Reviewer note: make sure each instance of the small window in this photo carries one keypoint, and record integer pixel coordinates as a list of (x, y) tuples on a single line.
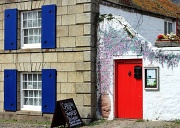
[(31, 91), (168, 28), (31, 29), (151, 78)]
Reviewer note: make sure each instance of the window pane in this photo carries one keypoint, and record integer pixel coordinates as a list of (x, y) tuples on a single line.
[(39, 77), (39, 85), (25, 32), (25, 40), (25, 93), (40, 93), (24, 24), (30, 15), (36, 31), (24, 85), (30, 93), (29, 23), (24, 16), (40, 101), (30, 77), (39, 23), (169, 27), (36, 94), (24, 77), (26, 102), (30, 32), (35, 15), (34, 23), (30, 85), (36, 39), (165, 28), (34, 85), (34, 77), (36, 102), (30, 101), (30, 40), (39, 14)]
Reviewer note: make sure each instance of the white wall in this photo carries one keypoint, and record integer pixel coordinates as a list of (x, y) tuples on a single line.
[(147, 26), (165, 103)]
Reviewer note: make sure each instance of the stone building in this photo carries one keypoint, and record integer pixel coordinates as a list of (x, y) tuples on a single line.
[(47, 52)]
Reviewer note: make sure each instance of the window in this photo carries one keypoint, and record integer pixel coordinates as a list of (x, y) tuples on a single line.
[(168, 27), (37, 28), (31, 91), (31, 29), (151, 78)]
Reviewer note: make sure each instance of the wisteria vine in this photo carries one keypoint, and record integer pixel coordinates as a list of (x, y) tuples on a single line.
[(116, 37)]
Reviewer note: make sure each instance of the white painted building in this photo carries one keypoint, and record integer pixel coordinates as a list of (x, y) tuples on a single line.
[(118, 45)]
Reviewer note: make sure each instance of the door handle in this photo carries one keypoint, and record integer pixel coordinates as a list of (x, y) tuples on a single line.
[(129, 73)]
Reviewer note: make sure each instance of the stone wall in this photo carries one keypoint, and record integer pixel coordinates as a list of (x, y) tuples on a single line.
[(73, 57)]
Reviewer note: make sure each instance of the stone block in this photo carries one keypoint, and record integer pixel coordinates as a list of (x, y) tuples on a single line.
[(2, 96), (67, 42), (80, 66), (87, 76), (62, 31), (75, 77), (61, 96), (68, 19), (24, 57), (64, 66), (83, 41), (6, 58), (68, 2), (36, 66), (1, 107), (76, 30), (87, 99), (78, 99), (70, 57), (2, 77), (83, 1), (62, 77), (62, 10), (58, 87), (87, 7), (8, 66), (27, 6), (89, 29), (83, 87), (46, 65), (50, 57), (59, 22), (74, 9), (1, 35), (83, 18), (36, 57), (1, 86), (68, 88), (87, 55)]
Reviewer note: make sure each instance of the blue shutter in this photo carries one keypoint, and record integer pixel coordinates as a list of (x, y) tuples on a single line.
[(48, 26), (10, 28), (48, 90), (10, 90)]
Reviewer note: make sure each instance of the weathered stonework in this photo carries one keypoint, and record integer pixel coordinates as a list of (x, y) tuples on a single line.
[(72, 57)]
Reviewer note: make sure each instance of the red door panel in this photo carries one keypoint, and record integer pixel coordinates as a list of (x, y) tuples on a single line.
[(128, 90)]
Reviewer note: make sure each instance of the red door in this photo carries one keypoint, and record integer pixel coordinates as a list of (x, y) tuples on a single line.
[(128, 101)]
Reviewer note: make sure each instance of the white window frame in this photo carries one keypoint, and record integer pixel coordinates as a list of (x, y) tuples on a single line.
[(167, 27), (29, 107), (33, 45)]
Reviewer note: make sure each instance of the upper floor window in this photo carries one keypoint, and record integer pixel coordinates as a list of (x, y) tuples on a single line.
[(31, 29), (168, 27)]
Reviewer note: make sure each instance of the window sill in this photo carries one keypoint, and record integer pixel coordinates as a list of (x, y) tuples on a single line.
[(167, 43), (32, 113)]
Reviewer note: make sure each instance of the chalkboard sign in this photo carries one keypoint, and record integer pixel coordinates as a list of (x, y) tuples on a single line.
[(66, 112)]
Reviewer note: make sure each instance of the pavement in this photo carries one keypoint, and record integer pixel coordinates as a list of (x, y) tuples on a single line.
[(116, 123)]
